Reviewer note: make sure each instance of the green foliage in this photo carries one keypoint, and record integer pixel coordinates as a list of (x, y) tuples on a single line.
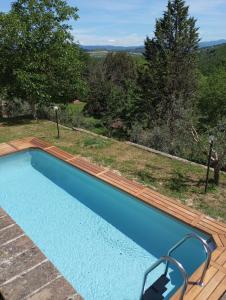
[(211, 59), (168, 81), (212, 100), (40, 63), (113, 91), (219, 133), (96, 143)]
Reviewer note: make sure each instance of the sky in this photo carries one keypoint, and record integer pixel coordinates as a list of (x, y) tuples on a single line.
[(128, 22)]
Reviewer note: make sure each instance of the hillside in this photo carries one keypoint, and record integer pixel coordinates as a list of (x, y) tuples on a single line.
[(139, 49), (212, 58), (109, 48)]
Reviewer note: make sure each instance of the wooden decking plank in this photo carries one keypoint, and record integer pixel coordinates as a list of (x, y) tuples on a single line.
[(211, 286), (223, 239), (123, 187), (219, 291), (124, 180), (86, 166), (168, 202), (21, 144), (40, 143), (196, 290), (222, 259), (172, 208), (195, 277), (59, 153), (205, 229), (210, 227), (215, 221), (217, 253), (115, 180), (189, 210), (6, 149), (167, 205), (218, 240), (168, 210), (219, 267), (214, 224), (118, 181)]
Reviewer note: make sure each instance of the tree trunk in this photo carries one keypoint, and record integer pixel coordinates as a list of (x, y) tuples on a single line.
[(33, 110), (217, 169)]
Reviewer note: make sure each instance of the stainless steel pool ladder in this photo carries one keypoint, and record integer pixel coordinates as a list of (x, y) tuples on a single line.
[(173, 261), (168, 259)]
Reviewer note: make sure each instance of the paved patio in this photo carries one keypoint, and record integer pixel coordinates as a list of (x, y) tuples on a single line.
[(25, 272)]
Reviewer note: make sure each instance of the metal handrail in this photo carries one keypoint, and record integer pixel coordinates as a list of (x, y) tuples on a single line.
[(172, 261), (207, 251)]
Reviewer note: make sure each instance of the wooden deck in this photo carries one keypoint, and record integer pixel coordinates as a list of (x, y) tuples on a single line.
[(215, 281)]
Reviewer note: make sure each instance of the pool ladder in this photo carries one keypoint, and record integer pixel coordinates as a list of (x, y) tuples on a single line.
[(168, 259)]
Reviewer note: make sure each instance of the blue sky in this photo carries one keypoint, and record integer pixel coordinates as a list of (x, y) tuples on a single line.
[(128, 22)]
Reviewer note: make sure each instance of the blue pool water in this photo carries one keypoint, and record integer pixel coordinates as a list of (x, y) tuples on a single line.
[(101, 239)]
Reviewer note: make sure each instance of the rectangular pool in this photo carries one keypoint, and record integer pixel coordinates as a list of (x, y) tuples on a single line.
[(101, 239)]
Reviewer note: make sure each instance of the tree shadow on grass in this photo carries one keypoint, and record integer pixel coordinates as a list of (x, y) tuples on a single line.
[(212, 187), (16, 121), (178, 183), (153, 167), (145, 177)]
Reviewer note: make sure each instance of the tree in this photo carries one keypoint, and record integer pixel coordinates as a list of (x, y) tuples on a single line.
[(169, 79), (97, 96), (40, 62), (218, 158), (212, 99), (113, 91)]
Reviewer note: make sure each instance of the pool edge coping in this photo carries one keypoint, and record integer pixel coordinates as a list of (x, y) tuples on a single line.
[(215, 282)]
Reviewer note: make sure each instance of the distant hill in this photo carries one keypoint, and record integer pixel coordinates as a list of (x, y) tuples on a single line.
[(211, 58), (109, 48), (140, 49), (211, 43)]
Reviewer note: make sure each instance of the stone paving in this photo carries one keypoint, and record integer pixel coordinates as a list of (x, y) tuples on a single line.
[(25, 272)]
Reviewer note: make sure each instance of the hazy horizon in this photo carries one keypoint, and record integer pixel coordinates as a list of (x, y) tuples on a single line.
[(128, 22)]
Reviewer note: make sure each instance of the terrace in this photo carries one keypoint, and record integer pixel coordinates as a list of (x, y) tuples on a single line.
[(27, 274)]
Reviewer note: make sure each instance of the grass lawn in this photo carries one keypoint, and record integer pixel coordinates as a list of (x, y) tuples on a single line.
[(79, 119), (181, 181)]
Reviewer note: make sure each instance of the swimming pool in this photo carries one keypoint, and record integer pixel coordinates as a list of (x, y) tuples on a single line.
[(101, 239)]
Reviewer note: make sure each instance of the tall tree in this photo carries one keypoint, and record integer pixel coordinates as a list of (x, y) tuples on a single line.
[(169, 79), (113, 91), (39, 60)]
